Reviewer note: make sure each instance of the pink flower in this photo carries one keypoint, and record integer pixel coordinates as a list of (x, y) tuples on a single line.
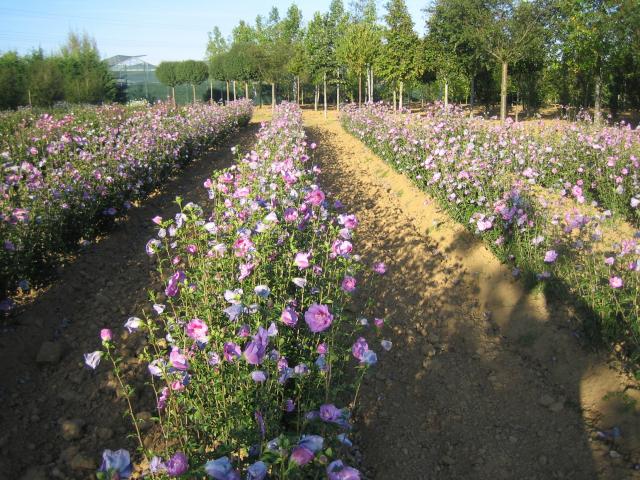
[(616, 282), (106, 335), (290, 215), (242, 246), (359, 348), (157, 219), (341, 248), (380, 268), (192, 249), (302, 260), (318, 317), (550, 256), (348, 284), (378, 322), (315, 197), (178, 360), (198, 330)]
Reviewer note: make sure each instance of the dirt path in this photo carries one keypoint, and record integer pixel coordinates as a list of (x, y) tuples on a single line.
[(56, 416), (485, 380)]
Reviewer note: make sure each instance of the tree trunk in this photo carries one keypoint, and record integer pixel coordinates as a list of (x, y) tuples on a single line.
[(400, 98), (260, 92), (211, 92), (324, 83), (246, 89), (173, 96), (301, 96), (372, 87), (273, 96), (193, 88), (29, 93), (338, 94), (597, 114), (359, 89), (298, 90), (227, 91), (472, 100), (234, 90), (503, 92), (446, 94), (316, 98), (394, 100)]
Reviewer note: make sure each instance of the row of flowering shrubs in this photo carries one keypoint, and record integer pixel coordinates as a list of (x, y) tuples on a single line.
[(250, 346), (532, 192), (65, 177)]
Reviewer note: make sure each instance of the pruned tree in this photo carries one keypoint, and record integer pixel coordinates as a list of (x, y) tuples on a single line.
[(167, 73)]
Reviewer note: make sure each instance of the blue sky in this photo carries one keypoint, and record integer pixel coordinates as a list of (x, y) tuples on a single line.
[(160, 29)]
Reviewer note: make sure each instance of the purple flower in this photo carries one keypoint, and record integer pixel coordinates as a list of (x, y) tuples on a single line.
[(255, 351), (329, 412), (289, 317), (289, 405), (318, 318), (616, 282), (348, 221), (386, 344), (301, 455), (550, 256), (262, 291), (341, 248), (177, 465), (116, 464), (369, 358), (313, 443), (348, 284), (231, 351), (258, 376), (173, 285), (132, 324), (380, 268), (359, 347), (221, 469), (156, 367), (339, 471), (257, 471), (92, 360)]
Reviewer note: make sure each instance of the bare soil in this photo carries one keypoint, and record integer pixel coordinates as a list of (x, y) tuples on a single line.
[(485, 379), (57, 416)]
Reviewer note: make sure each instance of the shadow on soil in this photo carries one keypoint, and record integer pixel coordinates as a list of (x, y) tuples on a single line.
[(485, 379), (105, 284)]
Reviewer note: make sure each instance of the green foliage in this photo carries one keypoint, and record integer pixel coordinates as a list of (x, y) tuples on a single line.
[(192, 72), (168, 74), (400, 61), (12, 80)]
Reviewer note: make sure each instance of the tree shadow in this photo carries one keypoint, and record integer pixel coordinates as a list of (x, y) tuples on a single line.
[(486, 378)]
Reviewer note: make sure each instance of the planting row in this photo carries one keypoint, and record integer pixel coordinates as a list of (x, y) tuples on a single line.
[(65, 177), (501, 181), (253, 356)]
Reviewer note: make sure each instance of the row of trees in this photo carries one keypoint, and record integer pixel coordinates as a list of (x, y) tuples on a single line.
[(187, 72), (574, 52), (76, 75)]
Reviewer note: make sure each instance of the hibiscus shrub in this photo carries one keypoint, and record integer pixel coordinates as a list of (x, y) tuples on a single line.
[(64, 178), (524, 189), (250, 344)]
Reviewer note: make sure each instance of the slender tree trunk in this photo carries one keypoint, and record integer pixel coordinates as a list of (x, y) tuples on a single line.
[(372, 88), (246, 89), (394, 100), (193, 87), (597, 114), (173, 96), (301, 96), (227, 91), (234, 90), (298, 90), (446, 94), (359, 89), (29, 93), (211, 92), (400, 98), (472, 100), (273, 96), (316, 98), (324, 83), (338, 94), (503, 92)]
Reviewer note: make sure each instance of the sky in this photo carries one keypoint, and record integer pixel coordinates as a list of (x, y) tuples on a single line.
[(159, 29)]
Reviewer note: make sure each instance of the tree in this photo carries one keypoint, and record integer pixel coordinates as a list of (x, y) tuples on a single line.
[(167, 73), (12, 80), (400, 61), (505, 29), (358, 49), (193, 72), (319, 52), (45, 82)]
